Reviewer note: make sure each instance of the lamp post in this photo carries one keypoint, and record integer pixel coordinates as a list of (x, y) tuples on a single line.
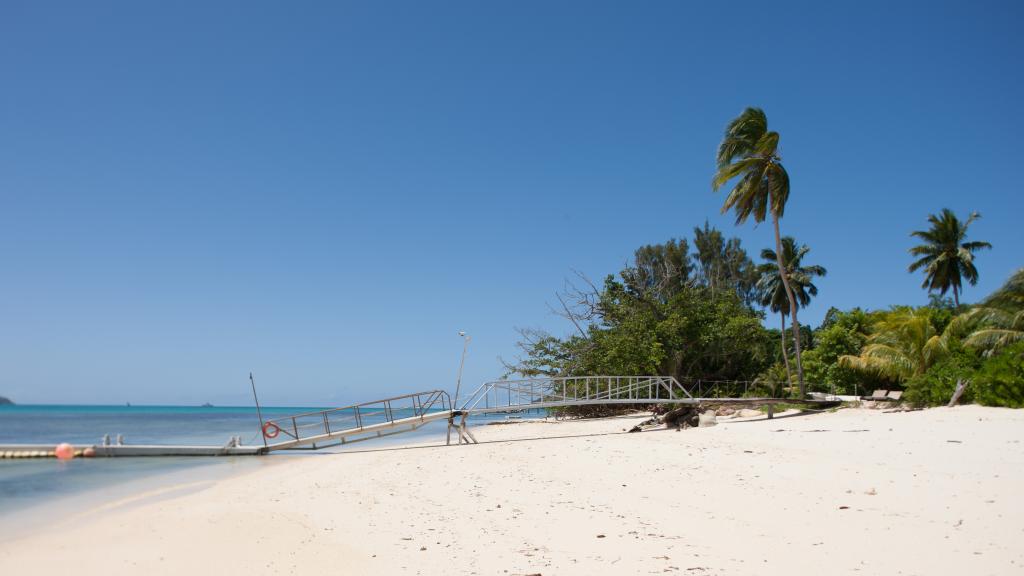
[(458, 384)]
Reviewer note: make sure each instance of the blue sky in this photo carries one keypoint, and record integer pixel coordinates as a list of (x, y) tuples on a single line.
[(325, 193)]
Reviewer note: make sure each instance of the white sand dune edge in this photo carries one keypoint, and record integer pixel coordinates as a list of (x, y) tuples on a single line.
[(857, 491)]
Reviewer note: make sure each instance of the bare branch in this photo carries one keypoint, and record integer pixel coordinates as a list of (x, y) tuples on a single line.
[(568, 314)]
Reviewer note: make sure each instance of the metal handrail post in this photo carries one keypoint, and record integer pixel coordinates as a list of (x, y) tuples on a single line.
[(462, 363)]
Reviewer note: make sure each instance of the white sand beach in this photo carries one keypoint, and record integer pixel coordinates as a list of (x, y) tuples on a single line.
[(855, 491)]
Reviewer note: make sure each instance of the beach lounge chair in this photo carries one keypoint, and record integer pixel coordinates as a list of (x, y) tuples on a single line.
[(884, 396), (876, 395)]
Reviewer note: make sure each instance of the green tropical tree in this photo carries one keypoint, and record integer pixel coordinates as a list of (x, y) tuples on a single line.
[(749, 154), (721, 263), (903, 343), (946, 257), (997, 321), (772, 290), (660, 270)]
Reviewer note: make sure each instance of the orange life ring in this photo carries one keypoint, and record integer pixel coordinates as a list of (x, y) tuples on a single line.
[(271, 430)]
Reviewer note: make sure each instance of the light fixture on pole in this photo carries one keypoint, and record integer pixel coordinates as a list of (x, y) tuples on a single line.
[(458, 384)]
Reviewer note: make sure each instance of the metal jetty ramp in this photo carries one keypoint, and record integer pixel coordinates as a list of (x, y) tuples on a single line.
[(357, 422), (403, 413), (398, 414)]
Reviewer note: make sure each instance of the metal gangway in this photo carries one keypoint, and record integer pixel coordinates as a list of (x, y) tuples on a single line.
[(404, 413), (379, 418), (357, 422), (398, 414), (536, 393)]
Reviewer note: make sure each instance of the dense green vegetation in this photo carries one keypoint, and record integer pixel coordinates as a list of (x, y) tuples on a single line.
[(998, 382), (699, 314), (689, 316), (670, 312)]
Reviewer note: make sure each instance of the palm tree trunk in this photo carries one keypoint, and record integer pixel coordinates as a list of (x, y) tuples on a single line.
[(956, 298), (792, 301), (785, 357)]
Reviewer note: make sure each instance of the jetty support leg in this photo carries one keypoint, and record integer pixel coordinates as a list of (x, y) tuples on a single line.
[(464, 433)]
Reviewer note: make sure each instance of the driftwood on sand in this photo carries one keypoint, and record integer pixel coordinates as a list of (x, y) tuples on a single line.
[(682, 417), (961, 385)]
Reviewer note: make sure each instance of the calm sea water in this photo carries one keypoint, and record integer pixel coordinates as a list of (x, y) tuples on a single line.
[(25, 483)]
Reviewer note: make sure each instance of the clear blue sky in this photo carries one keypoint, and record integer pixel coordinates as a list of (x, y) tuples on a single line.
[(326, 192)]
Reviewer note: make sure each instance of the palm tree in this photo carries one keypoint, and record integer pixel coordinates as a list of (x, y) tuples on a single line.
[(945, 257), (750, 152), (903, 343), (772, 289), (997, 321)]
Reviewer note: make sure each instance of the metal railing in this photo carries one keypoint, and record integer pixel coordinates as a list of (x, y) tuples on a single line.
[(723, 389), (699, 388), (338, 421), (535, 393)]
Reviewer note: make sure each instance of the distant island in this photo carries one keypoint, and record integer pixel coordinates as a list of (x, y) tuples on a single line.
[(6, 401)]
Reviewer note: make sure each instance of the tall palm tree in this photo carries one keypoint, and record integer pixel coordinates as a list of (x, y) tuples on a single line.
[(749, 152), (903, 343), (945, 256), (773, 291)]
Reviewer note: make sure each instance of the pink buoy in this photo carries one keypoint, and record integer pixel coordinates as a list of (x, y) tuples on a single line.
[(65, 451)]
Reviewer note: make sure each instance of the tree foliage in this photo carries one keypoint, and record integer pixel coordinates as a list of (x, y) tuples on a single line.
[(821, 363), (935, 386), (997, 321), (723, 264), (903, 343), (1000, 380), (801, 278), (946, 257), (660, 270), (654, 319)]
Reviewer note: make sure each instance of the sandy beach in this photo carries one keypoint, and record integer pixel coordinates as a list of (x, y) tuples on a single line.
[(855, 491)]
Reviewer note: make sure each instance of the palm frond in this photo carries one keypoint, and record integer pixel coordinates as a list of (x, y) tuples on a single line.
[(742, 135), (729, 171), (1010, 296), (972, 246), (767, 145), (880, 360), (991, 340)]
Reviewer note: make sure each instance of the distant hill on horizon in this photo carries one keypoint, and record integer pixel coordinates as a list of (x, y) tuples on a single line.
[(6, 401)]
